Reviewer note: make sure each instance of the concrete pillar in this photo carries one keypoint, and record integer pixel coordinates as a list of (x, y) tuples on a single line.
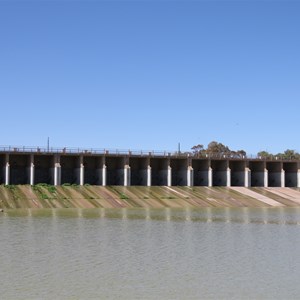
[(57, 174), (210, 177), (81, 174), (7, 173), (190, 176), (169, 179), (104, 175), (228, 179), (298, 178), (247, 177), (265, 177), (127, 176), (282, 178), (31, 173), (31, 170), (148, 176)]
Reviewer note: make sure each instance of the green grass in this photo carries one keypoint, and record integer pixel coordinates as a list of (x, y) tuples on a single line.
[(124, 196), (10, 186)]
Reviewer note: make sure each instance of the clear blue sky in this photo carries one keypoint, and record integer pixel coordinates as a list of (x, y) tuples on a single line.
[(150, 74)]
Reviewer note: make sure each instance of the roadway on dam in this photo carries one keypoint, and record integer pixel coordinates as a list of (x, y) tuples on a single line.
[(47, 196)]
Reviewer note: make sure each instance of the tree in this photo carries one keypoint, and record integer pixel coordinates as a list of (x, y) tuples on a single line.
[(289, 154), (197, 149), (215, 148), (238, 154), (264, 154)]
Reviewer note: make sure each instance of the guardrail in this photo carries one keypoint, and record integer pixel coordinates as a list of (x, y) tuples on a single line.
[(154, 153), (65, 150)]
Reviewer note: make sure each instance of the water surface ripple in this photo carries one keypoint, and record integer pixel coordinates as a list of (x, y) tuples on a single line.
[(150, 254)]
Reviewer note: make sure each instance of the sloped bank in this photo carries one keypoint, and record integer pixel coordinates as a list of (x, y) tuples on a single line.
[(46, 196)]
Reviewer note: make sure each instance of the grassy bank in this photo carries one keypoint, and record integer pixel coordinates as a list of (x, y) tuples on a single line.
[(73, 196)]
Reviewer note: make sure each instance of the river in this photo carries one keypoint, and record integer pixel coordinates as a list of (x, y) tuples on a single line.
[(150, 254)]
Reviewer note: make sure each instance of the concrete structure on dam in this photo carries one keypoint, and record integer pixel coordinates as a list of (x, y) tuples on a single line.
[(65, 166)]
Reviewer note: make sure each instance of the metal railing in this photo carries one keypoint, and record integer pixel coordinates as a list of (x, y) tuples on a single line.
[(139, 153), (69, 150)]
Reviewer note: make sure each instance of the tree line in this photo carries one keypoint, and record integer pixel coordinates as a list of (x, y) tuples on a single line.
[(287, 154), (218, 149), (215, 148)]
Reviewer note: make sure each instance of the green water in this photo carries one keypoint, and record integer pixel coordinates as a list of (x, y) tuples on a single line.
[(150, 254)]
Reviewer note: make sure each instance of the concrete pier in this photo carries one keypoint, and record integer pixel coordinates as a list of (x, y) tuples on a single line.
[(228, 177), (169, 179), (148, 176), (247, 177), (266, 181), (32, 170), (104, 175), (57, 174), (81, 175), (190, 176), (7, 174), (127, 175), (210, 177), (19, 167)]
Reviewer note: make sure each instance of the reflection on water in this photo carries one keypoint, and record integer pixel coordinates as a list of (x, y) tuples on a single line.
[(210, 253), (278, 215)]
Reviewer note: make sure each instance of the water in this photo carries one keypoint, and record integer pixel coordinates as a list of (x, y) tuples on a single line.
[(150, 254)]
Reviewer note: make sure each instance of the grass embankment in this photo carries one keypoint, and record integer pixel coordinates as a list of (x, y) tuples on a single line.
[(74, 196)]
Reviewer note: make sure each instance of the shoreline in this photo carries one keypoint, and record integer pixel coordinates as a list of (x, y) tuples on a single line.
[(73, 196)]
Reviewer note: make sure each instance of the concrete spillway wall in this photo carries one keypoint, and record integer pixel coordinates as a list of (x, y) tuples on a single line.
[(291, 174), (179, 171), (274, 173), (202, 172), (115, 170), (159, 171), (44, 169), (144, 170), (258, 172), (139, 171), (238, 175), (93, 167), (219, 168)]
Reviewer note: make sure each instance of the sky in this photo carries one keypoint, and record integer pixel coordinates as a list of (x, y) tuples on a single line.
[(150, 74)]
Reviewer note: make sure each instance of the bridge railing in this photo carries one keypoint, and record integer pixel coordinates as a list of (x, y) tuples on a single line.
[(152, 153), (66, 150)]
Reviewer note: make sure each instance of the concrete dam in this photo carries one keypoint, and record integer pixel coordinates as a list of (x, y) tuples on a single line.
[(23, 166)]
